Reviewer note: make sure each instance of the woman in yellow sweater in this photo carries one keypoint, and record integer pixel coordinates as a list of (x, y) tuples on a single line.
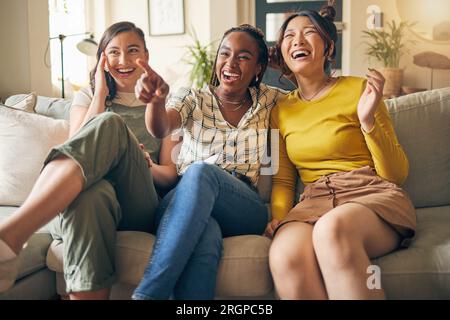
[(335, 132)]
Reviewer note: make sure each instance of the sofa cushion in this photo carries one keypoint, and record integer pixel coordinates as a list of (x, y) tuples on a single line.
[(33, 257), (26, 140), (51, 107), (41, 285), (423, 270), (26, 102), (422, 123), (243, 270)]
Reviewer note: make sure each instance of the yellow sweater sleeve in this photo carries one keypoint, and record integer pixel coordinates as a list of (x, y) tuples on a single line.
[(285, 179), (388, 156)]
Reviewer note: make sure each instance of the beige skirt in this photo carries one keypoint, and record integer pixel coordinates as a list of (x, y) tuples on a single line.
[(362, 186)]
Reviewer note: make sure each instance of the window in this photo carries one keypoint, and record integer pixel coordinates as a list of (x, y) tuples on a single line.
[(67, 17)]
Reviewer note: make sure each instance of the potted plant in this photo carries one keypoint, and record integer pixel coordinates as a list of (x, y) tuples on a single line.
[(201, 58), (387, 47)]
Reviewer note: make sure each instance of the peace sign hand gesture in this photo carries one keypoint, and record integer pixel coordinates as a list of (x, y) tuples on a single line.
[(150, 88)]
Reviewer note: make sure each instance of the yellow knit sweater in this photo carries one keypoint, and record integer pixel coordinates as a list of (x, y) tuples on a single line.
[(324, 136)]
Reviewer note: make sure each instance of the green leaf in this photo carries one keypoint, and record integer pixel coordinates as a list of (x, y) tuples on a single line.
[(201, 58), (388, 46)]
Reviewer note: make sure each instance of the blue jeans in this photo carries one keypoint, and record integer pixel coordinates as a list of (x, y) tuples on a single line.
[(207, 205)]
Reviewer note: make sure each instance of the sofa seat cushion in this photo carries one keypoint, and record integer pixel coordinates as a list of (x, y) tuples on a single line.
[(423, 270), (33, 256), (243, 270)]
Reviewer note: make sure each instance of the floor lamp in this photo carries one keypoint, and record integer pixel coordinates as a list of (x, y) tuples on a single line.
[(87, 46)]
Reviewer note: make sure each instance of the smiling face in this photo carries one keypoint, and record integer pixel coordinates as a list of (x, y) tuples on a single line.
[(237, 62), (122, 52), (303, 48)]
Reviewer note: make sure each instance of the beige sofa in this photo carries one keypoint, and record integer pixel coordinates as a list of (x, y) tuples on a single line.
[(422, 122)]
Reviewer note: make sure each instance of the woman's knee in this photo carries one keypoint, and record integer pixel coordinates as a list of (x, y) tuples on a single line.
[(109, 120), (200, 178), (200, 170), (286, 256), (335, 240)]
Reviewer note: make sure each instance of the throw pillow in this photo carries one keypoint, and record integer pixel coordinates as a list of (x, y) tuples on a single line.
[(26, 139), (26, 103)]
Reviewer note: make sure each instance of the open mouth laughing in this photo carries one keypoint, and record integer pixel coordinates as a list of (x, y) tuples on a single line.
[(230, 77), (300, 54), (125, 72)]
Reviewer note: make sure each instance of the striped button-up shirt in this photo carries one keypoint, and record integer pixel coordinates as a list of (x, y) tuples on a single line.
[(208, 137)]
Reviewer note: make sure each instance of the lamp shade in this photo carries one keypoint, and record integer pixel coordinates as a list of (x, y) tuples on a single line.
[(87, 46), (432, 60)]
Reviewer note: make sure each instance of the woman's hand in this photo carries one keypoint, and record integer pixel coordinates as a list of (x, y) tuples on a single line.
[(271, 228), (150, 88), (147, 156), (101, 87), (370, 99)]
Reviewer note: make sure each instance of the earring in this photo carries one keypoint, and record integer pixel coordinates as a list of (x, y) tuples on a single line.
[(256, 79)]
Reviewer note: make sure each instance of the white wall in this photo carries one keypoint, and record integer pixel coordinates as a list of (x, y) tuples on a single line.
[(38, 34), (24, 36), (223, 15), (14, 64), (246, 12)]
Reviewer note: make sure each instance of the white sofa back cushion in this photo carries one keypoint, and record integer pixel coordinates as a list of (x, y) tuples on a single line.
[(26, 139), (422, 123), (56, 108)]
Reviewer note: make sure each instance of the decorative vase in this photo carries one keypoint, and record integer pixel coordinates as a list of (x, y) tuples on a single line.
[(393, 83)]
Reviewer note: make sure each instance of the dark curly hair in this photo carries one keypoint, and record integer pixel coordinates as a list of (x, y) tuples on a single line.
[(263, 57), (323, 20)]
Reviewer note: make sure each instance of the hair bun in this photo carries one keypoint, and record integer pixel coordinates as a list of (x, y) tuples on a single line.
[(328, 12)]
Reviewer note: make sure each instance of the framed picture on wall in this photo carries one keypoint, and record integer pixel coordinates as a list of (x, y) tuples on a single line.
[(166, 17)]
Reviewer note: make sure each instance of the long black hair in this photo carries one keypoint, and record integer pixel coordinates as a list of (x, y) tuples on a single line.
[(108, 35), (323, 20), (263, 57)]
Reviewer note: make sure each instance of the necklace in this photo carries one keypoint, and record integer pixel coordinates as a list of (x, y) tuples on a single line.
[(221, 101), (316, 93)]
